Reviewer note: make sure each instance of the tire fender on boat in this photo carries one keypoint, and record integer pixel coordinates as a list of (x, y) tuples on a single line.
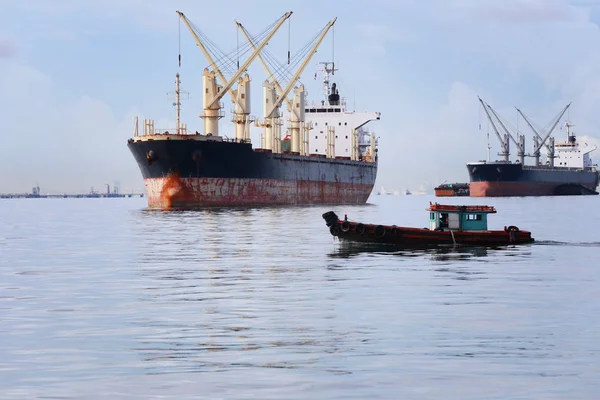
[(345, 226), (361, 229), (380, 231), (512, 228)]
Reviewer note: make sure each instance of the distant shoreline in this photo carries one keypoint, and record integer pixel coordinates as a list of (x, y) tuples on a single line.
[(66, 196)]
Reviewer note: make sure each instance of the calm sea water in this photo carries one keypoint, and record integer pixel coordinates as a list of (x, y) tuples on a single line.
[(101, 298)]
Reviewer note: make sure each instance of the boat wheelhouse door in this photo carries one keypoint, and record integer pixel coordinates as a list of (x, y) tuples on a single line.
[(453, 221), (438, 220)]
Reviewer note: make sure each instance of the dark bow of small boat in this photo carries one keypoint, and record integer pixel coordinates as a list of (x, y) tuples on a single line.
[(407, 236)]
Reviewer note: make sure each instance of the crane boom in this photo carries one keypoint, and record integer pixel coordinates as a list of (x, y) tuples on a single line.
[(549, 131), (264, 64), (292, 82), (504, 127), (201, 45), (491, 121), (256, 52), (228, 84)]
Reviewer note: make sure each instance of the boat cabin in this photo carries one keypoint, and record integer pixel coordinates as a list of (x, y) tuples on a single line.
[(458, 218)]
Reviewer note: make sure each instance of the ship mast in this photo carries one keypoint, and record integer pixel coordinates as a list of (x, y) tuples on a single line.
[(326, 70), (177, 103), (178, 92)]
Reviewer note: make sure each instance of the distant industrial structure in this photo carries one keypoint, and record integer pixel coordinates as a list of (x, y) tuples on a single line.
[(36, 194)]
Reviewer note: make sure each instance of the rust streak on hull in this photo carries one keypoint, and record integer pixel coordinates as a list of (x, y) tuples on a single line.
[(176, 192)]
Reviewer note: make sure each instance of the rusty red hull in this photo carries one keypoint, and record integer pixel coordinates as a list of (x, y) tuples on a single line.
[(405, 236), (174, 192), (197, 172), (507, 189), (503, 179)]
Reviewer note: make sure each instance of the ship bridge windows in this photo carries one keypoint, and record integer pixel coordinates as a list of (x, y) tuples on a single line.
[(474, 217)]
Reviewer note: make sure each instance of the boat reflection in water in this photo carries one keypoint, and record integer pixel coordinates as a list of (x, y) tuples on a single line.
[(347, 249)]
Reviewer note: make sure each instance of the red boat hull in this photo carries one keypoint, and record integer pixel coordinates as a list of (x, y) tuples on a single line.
[(175, 192), (505, 189), (370, 233)]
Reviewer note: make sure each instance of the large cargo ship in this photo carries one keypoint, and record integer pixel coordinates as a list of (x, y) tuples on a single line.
[(569, 169), (328, 156)]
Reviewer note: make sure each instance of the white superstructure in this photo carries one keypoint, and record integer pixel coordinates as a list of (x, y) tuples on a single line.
[(348, 135), (569, 154)]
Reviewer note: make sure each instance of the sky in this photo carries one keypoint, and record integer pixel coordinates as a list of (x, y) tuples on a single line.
[(74, 74)]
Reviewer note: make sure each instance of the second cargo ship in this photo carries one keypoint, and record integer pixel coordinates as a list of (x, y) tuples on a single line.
[(327, 157), (569, 169)]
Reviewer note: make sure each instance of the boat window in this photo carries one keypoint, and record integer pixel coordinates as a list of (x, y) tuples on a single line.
[(431, 215), (474, 217)]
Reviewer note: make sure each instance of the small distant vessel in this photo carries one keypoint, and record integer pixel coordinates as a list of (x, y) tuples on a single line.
[(568, 171), (448, 224), (452, 189), (407, 192)]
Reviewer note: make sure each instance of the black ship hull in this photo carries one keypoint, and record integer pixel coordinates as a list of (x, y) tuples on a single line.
[(198, 171), (499, 179)]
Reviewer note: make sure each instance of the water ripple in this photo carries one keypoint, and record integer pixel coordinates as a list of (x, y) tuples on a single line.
[(100, 298)]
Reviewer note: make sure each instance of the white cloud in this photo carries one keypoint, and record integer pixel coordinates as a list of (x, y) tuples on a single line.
[(62, 146), (421, 63), (434, 149), (523, 11)]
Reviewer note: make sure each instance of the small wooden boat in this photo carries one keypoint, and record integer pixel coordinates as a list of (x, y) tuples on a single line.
[(465, 225)]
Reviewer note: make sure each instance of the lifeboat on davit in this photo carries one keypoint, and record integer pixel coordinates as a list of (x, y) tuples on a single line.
[(448, 224)]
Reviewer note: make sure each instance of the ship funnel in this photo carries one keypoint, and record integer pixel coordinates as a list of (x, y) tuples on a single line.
[(334, 97)]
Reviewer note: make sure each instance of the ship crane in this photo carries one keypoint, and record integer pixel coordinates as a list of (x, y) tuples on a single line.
[(538, 141), (213, 92), (520, 143), (296, 114), (274, 95), (504, 143)]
